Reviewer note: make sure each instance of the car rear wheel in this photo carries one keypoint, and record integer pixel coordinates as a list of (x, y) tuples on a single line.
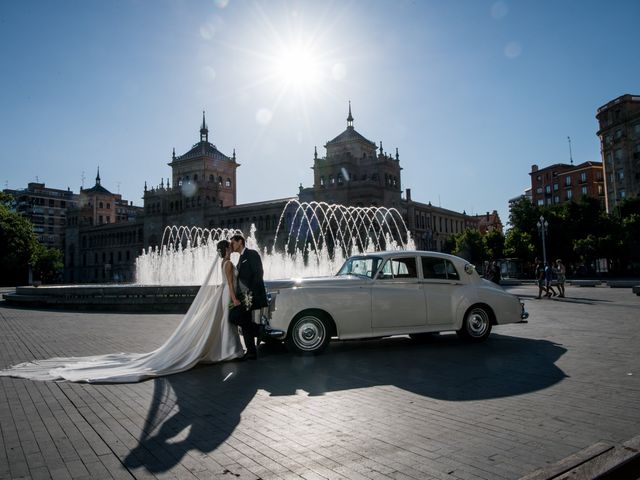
[(308, 334), (476, 326)]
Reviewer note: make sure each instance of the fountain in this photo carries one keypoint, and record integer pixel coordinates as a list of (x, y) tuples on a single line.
[(311, 239), (319, 237)]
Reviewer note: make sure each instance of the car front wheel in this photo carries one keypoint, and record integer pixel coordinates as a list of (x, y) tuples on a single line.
[(308, 334), (476, 326)]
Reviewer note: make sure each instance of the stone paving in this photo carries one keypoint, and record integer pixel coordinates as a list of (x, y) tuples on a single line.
[(379, 409)]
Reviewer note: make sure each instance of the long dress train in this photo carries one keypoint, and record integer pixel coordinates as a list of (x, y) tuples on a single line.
[(203, 336)]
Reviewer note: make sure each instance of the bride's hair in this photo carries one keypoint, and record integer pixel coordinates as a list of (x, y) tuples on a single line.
[(221, 247)]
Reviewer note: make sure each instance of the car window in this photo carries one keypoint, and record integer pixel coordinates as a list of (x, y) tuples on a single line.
[(452, 273), (363, 266), (399, 268), (439, 268)]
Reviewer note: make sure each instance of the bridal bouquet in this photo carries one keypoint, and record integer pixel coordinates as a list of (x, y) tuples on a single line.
[(246, 300)]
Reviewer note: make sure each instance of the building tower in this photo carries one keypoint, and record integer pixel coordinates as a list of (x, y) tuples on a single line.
[(203, 181), (355, 172), (619, 122)]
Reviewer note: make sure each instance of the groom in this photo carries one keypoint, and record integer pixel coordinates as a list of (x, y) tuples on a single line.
[(250, 274)]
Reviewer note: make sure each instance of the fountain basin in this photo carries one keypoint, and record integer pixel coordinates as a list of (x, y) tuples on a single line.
[(121, 298)]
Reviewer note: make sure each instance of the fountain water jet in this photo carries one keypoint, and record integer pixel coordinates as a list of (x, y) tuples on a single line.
[(319, 237)]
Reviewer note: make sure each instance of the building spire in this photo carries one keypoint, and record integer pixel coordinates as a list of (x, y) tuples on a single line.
[(315, 152), (350, 117), (204, 131), (98, 176)]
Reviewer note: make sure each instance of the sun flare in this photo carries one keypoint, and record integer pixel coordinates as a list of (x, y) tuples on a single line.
[(297, 66)]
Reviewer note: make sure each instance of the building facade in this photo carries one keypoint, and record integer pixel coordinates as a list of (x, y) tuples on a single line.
[(561, 182), (619, 133), (355, 172), (46, 208), (104, 236)]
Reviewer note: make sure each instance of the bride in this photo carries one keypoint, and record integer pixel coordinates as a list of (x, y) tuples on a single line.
[(204, 335)]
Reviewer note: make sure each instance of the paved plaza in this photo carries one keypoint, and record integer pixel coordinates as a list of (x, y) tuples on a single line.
[(380, 409)]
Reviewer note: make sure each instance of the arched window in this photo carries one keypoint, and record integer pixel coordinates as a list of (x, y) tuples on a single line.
[(100, 205), (227, 183), (220, 181), (322, 181)]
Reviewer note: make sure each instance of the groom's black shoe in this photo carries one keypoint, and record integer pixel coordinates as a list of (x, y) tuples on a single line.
[(247, 356)]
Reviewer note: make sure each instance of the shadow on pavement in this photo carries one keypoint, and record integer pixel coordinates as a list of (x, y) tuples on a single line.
[(199, 409)]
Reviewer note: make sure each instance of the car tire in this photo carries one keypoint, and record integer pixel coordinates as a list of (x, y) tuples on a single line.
[(476, 326), (309, 333)]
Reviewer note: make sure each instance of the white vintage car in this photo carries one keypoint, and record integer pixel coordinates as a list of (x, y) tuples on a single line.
[(388, 293)]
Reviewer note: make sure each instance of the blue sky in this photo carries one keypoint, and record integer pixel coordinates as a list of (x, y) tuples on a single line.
[(471, 92)]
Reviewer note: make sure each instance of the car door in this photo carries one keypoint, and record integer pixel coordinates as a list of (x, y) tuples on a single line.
[(440, 279), (397, 297)]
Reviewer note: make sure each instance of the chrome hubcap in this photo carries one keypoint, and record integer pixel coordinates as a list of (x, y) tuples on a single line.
[(477, 322), (309, 333)]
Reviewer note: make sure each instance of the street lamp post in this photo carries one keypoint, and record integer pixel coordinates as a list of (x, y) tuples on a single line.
[(543, 228)]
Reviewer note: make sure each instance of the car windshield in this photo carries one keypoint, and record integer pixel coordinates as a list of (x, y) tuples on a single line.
[(361, 266)]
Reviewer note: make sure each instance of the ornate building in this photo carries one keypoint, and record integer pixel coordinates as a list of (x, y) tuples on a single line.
[(619, 133), (354, 172), (204, 182), (103, 237), (102, 247)]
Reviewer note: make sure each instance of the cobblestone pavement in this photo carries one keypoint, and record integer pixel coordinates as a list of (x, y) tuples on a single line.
[(380, 409)]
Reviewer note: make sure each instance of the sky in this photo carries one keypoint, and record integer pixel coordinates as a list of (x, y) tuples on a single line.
[(471, 92)]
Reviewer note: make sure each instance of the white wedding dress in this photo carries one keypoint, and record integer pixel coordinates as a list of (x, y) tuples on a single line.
[(203, 336)]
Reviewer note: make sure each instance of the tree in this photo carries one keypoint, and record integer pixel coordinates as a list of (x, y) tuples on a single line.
[(494, 244), (48, 264), (518, 244), (18, 245), (470, 246)]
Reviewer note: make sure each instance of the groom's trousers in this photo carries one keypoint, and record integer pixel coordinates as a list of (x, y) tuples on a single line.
[(244, 319)]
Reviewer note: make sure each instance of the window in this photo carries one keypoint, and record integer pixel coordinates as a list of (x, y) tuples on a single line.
[(584, 190), (51, 203), (322, 181), (539, 190), (439, 268), (622, 193), (100, 205), (555, 187), (547, 188), (399, 268), (600, 190), (618, 134), (195, 177), (567, 180), (618, 154), (227, 183), (569, 194), (620, 174), (556, 199), (583, 177)]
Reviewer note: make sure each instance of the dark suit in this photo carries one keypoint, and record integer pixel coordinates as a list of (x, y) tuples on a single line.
[(250, 273)]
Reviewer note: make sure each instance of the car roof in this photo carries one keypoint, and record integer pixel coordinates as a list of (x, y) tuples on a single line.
[(411, 253)]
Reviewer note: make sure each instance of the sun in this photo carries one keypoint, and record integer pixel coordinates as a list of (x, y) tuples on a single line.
[(297, 66)]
